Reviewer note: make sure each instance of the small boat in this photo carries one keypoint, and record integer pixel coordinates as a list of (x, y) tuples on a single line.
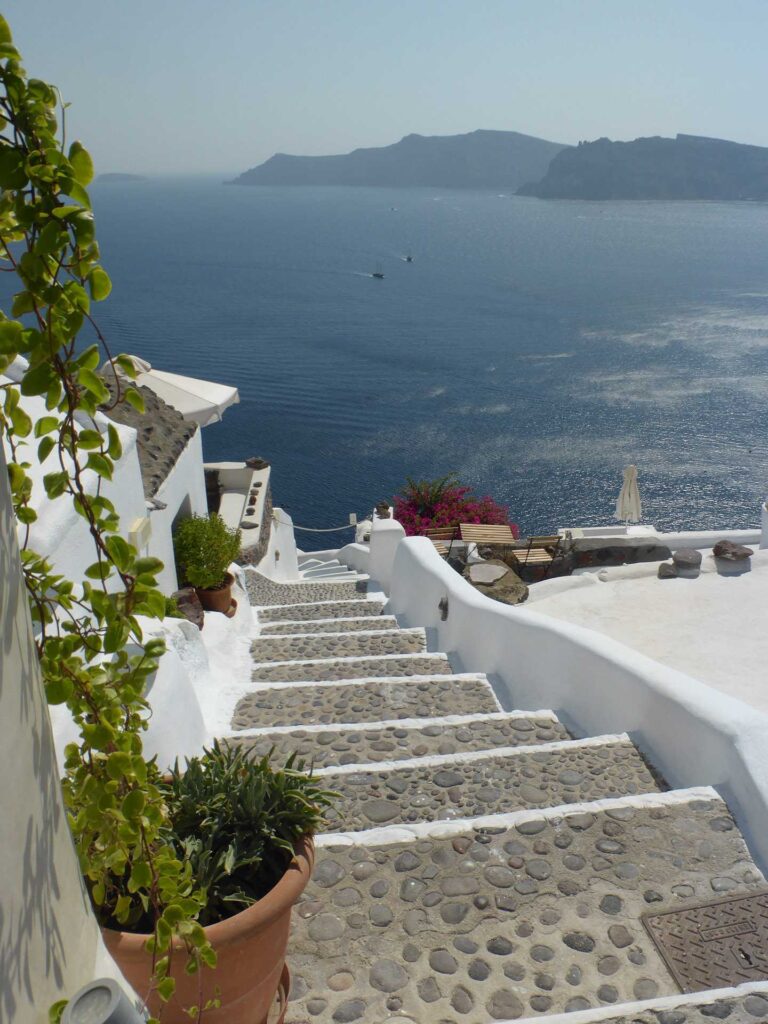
[(408, 257), (378, 272)]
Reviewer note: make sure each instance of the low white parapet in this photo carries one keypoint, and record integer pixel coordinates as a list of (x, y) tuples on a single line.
[(386, 535), (592, 537), (691, 732)]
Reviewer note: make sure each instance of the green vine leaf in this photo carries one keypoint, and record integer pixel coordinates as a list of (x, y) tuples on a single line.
[(89, 642)]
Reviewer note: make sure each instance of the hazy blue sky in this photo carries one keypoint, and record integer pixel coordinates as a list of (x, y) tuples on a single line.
[(220, 85)]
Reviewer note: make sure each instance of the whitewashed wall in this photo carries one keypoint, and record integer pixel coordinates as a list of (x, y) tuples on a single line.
[(185, 483), (50, 943), (694, 734), (281, 560)]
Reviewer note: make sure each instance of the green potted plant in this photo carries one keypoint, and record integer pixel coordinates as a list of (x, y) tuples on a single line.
[(205, 547), (244, 829)]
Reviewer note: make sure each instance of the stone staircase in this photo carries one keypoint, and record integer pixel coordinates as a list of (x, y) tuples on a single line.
[(478, 865)]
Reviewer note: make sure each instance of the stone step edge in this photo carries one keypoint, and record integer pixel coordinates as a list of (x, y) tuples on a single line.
[(387, 835), (318, 604), (257, 686), (330, 572), (470, 756), (323, 622), (344, 635), (629, 1010), (393, 723), (410, 655), (352, 576)]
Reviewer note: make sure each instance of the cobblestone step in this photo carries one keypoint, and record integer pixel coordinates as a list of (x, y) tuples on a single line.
[(338, 645), (367, 700), (486, 782), (363, 624), (512, 916), (744, 1004), (330, 669), (320, 610), (263, 591), (371, 742)]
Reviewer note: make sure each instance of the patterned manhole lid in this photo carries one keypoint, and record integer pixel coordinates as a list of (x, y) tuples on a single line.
[(714, 945)]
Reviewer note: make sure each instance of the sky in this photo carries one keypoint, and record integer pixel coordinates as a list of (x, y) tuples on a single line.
[(217, 86)]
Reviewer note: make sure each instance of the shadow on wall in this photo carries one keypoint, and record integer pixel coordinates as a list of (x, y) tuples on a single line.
[(47, 932)]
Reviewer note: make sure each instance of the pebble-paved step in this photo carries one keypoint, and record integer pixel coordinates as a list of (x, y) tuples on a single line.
[(521, 915), (364, 624), (486, 782), (330, 669), (744, 1004), (305, 647), (370, 700), (391, 741), (320, 610), (319, 571), (263, 591)]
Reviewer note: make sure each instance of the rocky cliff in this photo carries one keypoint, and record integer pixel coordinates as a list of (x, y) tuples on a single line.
[(480, 159), (686, 167)]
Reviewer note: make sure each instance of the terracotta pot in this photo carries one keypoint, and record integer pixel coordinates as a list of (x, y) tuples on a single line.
[(251, 956), (217, 599)]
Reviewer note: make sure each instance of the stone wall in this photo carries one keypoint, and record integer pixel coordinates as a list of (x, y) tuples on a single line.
[(253, 555)]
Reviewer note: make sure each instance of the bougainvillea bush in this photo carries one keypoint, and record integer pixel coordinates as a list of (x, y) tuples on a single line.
[(427, 504)]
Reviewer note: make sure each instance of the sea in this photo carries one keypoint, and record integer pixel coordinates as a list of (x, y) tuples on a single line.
[(532, 348)]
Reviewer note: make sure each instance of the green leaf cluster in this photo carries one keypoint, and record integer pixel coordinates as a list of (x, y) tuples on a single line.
[(92, 654), (205, 547), (235, 821)]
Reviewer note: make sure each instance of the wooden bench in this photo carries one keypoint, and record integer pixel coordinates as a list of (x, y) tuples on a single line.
[(439, 534), (538, 550), (481, 533)]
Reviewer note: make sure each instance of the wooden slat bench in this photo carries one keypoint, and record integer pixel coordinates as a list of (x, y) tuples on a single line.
[(480, 533), (538, 550), (439, 534)]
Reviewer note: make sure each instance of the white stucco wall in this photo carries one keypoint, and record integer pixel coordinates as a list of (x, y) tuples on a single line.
[(185, 481), (281, 559), (50, 943), (695, 735), (386, 534), (60, 533)]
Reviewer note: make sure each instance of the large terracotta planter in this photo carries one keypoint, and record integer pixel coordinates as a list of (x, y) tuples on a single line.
[(251, 955), (218, 599)]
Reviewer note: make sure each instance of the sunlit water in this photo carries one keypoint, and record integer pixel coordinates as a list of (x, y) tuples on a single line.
[(532, 347)]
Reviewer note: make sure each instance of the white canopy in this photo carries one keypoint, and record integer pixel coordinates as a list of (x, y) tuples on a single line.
[(198, 400), (628, 505)]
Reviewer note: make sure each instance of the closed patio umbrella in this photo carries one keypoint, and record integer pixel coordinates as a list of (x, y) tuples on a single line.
[(202, 401), (628, 506)]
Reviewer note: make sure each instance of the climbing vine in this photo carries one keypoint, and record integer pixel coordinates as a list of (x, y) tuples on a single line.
[(62, 447)]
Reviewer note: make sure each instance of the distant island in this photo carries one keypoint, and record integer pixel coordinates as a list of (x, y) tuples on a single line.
[(479, 159), (117, 176), (686, 167)]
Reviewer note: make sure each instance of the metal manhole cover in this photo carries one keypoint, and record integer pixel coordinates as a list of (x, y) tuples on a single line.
[(714, 945)]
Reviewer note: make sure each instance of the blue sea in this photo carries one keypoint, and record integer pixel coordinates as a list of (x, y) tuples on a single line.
[(533, 348)]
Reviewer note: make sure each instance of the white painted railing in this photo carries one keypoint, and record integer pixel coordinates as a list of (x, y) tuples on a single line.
[(692, 733)]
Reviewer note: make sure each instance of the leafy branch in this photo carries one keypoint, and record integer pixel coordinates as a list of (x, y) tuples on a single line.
[(52, 421)]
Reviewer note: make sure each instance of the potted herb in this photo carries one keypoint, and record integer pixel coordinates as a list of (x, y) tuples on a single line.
[(205, 547), (243, 830)]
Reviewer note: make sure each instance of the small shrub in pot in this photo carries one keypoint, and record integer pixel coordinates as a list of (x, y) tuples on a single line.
[(243, 831), (205, 547)]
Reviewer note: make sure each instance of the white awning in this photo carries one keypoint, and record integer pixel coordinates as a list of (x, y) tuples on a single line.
[(199, 400)]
